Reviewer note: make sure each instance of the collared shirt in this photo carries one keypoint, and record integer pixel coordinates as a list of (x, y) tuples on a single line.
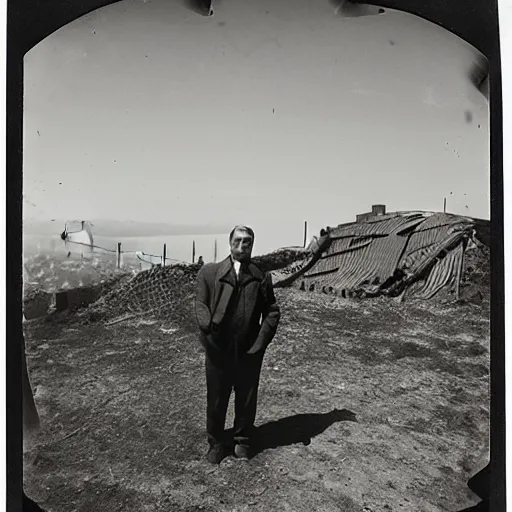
[(236, 265)]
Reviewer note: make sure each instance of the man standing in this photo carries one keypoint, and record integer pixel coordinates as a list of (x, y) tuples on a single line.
[(238, 316)]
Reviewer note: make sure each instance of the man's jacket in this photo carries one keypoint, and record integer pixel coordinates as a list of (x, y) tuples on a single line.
[(256, 311)]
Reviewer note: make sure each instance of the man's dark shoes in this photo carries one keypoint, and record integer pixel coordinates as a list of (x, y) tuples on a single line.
[(215, 454), (242, 452)]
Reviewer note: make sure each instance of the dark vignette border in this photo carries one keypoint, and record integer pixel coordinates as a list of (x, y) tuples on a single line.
[(30, 21)]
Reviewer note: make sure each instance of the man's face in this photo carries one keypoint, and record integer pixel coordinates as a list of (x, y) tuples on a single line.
[(241, 245)]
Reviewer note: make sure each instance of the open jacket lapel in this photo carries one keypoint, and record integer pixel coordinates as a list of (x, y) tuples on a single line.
[(225, 284), (246, 276), (255, 318)]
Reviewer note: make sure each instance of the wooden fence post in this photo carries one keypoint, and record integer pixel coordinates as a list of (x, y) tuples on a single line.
[(193, 251), (164, 255), (118, 262)]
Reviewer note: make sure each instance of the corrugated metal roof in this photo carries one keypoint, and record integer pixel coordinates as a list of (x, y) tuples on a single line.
[(442, 274), (379, 226), (373, 263), (424, 244), (328, 263), (377, 260), (367, 254), (443, 219)]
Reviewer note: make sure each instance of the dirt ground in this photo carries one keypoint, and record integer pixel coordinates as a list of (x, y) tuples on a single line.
[(364, 406)]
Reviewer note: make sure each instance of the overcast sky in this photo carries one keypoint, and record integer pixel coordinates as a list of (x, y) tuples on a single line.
[(145, 111)]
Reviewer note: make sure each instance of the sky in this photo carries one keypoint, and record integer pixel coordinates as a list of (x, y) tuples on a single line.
[(261, 114)]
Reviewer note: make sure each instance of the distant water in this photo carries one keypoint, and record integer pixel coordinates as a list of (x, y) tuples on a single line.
[(178, 247)]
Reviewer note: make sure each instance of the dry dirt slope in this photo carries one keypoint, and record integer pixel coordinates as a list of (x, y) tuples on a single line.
[(364, 406)]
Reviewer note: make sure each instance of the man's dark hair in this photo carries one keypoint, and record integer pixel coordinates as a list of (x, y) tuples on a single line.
[(246, 229)]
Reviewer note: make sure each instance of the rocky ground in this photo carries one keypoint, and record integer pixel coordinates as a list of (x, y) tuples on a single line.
[(364, 406)]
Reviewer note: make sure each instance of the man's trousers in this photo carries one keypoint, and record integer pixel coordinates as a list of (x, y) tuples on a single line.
[(223, 374)]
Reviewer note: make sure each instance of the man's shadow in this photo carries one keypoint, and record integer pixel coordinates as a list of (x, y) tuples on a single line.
[(300, 428)]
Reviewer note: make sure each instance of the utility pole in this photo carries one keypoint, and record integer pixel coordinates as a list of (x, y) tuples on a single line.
[(119, 252)]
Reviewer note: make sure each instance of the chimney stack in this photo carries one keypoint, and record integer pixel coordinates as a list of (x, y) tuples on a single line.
[(379, 209)]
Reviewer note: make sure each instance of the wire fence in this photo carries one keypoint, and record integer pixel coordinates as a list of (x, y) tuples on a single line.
[(148, 258), (119, 252)]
